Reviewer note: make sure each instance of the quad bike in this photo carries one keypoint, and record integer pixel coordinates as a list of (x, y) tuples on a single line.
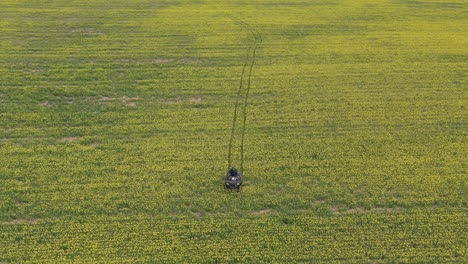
[(233, 182)]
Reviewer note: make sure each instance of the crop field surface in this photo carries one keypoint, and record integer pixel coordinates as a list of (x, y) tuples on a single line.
[(117, 127)]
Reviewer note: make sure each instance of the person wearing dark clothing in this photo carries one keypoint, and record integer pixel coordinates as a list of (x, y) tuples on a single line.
[(232, 172)]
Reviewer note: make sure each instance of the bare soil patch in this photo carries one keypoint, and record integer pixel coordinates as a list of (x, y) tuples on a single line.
[(128, 101), (162, 60), (196, 100), (197, 214), (123, 99), (169, 102), (22, 221), (338, 211), (264, 211), (21, 204), (68, 139), (159, 61), (46, 103)]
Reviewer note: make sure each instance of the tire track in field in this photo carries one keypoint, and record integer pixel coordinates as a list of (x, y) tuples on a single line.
[(250, 61), (236, 106), (257, 41)]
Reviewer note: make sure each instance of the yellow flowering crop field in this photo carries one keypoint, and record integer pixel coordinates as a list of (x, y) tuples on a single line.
[(119, 120)]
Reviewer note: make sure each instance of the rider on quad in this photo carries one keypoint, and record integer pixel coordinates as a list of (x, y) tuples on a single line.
[(233, 172)]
